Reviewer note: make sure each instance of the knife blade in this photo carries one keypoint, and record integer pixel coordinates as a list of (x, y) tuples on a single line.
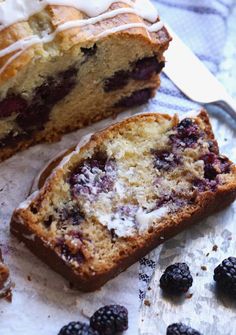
[(191, 76)]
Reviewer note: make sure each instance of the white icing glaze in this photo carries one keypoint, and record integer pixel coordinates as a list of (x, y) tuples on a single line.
[(155, 27), (12, 11), (145, 220), (34, 39), (122, 228), (24, 9)]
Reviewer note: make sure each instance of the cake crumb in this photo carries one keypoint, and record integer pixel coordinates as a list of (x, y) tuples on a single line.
[(29, 278), (215, 247), (147, 303), (204, 268)]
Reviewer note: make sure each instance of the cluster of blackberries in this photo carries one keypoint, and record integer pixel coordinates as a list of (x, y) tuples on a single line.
[(177, 279), (107, 320)]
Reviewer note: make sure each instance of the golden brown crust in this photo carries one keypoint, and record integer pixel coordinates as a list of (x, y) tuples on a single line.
[(205, 204), (68, 39)]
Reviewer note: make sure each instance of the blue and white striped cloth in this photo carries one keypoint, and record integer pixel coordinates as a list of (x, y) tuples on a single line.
[(202, 25)]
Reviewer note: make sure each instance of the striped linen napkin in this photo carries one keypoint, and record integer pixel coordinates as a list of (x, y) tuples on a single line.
[(202, 25)]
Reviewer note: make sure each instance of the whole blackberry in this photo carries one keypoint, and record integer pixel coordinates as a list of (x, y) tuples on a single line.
[(225, 275), (110, 319), (77, 328), (176, 278), (181, 329)]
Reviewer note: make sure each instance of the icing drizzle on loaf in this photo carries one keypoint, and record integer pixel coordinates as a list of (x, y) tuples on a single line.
[(13, 11)]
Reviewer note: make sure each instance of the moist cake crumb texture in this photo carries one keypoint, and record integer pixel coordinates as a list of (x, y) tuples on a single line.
[(126, 185)]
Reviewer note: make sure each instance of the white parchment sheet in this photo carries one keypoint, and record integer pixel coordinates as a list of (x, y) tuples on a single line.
[(42, 300)]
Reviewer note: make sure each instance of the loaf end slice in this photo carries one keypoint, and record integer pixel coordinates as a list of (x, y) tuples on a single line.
[(122, 192)]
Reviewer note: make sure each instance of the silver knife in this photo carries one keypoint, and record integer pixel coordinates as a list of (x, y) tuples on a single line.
[(190, 75)]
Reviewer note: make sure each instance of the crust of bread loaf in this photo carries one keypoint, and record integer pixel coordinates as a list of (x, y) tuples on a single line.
[(207, 203), (71, 38)]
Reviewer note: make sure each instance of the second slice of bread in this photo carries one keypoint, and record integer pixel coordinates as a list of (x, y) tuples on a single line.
[(122, 192)]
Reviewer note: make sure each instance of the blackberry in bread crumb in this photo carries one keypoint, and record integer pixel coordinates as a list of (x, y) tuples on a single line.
[(146, 67), (135, 99), (165, 160), (225, 275), (12, 104), (181, 329), (77, 328), (110, 319), (214, 165), (187, 135), (176, 278), (117, 81)]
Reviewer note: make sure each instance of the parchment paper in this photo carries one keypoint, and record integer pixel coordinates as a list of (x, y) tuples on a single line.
[(42, 300)]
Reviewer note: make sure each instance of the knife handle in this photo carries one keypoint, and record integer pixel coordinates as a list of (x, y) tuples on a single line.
[(228, 104)]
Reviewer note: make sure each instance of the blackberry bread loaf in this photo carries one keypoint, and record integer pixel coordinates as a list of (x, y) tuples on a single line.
[(122, 192), (5, 283), (65, 64)]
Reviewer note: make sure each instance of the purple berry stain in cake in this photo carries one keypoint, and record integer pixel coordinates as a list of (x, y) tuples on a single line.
[(187, 134), (173, 201), (135, 99), (204, 185), (92, 177), (89, 52), (32, 115), (143, 69), (165, 160), (72, 216), (12, 104), (45, 97), (146, 67), (214, 165), (117, 81), (70, 256)]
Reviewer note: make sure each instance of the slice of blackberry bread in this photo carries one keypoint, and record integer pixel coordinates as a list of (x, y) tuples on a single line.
[(5, 283), (122, 192), (63, 67)]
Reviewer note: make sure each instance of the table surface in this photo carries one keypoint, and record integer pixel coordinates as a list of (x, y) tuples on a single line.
[(153, 313), (227, 74)]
